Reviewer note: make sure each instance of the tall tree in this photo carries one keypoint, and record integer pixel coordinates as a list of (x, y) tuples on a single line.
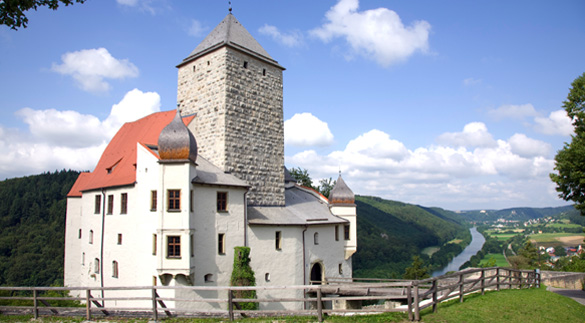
[(570, 161), (416, 270), (302, 176), (325, 186), (12, 11)]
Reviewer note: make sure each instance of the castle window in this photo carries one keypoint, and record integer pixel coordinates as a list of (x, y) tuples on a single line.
[(208, 63), (221, 244), (346, 232), (124, 203), (192, 245), (115, 269), (267, 277), (336, 233), (194, 68), (173, 247), (154, 280), (154, 244), (98, 204), (174, 200), (119, 238), (79, 237), (83, 258), (191, 201), (245, 64), (263, 72), (208, 278), (278, 240), (316, 238), (90, 236), (153, 200), (96, 268), (340, 268), (110, 204), (221, 201)]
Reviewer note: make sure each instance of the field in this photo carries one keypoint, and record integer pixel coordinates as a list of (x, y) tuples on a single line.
[(500, 260), (429, 251), (503, 236), (553, 239), (563, 225)]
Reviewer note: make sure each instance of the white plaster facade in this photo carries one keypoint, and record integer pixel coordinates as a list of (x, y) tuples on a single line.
[(295, 238)]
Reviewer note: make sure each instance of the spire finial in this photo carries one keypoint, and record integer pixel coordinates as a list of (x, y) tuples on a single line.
[(230, 3)]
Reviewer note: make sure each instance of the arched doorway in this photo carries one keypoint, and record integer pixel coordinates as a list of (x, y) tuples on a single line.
[(316, 274)]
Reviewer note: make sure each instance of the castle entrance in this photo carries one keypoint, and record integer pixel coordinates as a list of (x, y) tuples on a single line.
[(316, 274)]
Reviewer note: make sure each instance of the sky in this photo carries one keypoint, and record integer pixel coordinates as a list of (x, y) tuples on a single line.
[(454, 104)]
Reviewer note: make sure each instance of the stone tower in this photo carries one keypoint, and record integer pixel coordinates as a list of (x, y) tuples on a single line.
[(235, 89)]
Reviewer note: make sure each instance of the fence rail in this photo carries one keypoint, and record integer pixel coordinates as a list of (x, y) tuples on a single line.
[(332, 296)]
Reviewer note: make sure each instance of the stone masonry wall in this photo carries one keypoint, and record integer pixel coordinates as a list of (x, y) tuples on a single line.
[(239, 125)]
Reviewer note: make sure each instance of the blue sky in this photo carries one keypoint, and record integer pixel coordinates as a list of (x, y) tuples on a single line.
[(454, 104)]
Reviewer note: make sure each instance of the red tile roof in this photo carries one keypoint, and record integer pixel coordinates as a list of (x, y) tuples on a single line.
[(117, 166)]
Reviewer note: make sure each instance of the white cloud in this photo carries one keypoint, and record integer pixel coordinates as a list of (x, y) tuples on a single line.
[(196, 29), (291, 39), (557, 123), (474, 134), (528, 147), (471, 81), (130, 3), (143, 5), (494, 174), (511, 111), (67, 139), (376, 34), (90, 68), (304, 129)]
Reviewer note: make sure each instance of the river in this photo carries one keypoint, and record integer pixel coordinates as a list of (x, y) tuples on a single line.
[(477, 241)]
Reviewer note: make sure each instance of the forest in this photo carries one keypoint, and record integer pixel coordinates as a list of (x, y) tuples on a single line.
[(32, 228)]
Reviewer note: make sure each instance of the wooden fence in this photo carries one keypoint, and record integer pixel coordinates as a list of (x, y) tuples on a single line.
[(332, 296)]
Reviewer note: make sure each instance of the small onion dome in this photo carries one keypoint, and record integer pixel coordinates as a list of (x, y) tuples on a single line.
[(341, 194), (176, 142)]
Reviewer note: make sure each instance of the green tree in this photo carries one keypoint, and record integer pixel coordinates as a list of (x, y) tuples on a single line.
[(570, 161), (12, 11), (325, 186), (243, 275), (416, 270), (302, 176)]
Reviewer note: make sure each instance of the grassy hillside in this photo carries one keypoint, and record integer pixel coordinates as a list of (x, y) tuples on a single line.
[(32, 228), (390, 233)]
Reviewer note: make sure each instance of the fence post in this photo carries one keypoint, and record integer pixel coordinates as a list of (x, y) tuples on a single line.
[(35, 304), (230, 305), (409, 301), (434, 289), (319, 305), (537, 277), (416, 300), (154, 305), (461, 285), (498, 279), (87, 304), (482, 281)]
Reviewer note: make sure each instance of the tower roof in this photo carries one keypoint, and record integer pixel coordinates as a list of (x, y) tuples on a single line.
[(230, 32), (341, 193), (176, 142)]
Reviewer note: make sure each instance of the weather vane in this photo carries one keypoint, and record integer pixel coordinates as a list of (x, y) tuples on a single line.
[(230, 3)]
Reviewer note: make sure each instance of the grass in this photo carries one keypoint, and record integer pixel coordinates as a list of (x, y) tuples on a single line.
[(500, 260), (563, 225), (503, 236), (429, 251), (526, 305)]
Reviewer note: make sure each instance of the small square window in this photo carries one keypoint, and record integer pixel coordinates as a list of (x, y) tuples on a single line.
[(96, 268), (221, 244), (316, 238), (153, 200), (110, 204), (221, 201), (278, 240), (115, 269), (208, 278), (346, 232), (124, 203), (174, 200), (174, 247), (119, 238), (98, 204), (90, 236)]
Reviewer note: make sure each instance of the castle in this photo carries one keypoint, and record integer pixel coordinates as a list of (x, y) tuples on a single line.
[(174, 192)]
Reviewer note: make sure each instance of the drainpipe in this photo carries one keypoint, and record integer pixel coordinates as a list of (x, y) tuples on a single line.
[(304, 264), (102, 245), (246, 218)]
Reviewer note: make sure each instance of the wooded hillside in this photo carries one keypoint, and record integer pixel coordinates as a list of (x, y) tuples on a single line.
[(32, 228)]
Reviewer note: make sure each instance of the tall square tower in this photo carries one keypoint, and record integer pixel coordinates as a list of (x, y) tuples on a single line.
[(234, 88)]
